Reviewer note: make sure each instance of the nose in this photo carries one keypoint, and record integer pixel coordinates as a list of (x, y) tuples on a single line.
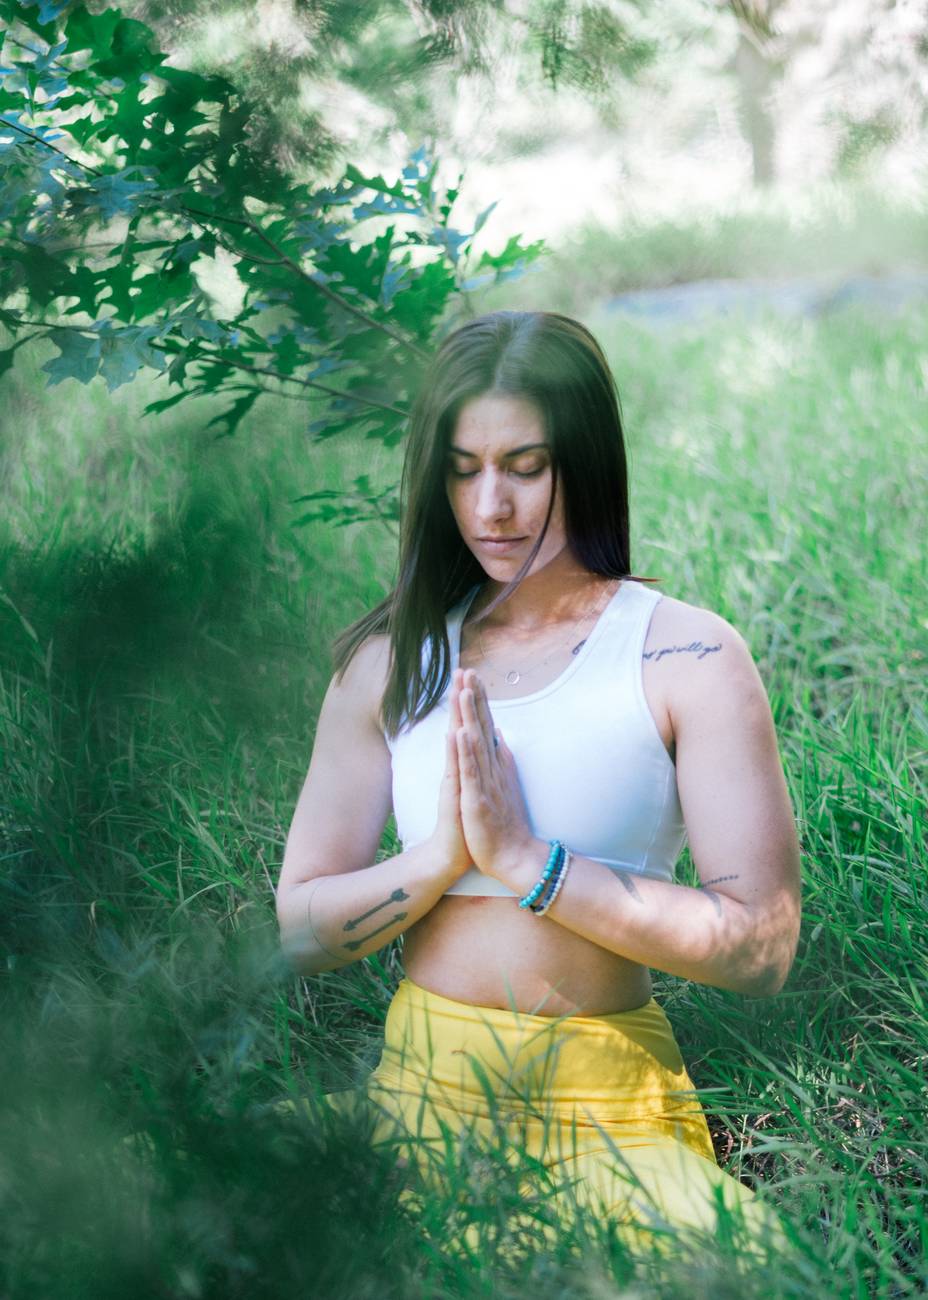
[(493, 499)]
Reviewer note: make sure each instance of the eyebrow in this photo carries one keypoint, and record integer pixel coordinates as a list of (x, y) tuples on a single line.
[(516, 451)]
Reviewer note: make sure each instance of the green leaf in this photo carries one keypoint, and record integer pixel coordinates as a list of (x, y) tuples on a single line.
[(42, 276), (125, 351), (94, 32), (79, 356), (164, 404), (373, 182), (288, 355), (233, 417)]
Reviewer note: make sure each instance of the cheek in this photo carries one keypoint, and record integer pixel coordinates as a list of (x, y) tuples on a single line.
[(557, 512)]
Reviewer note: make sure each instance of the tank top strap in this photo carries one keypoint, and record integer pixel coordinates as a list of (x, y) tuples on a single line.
[(615, 661)]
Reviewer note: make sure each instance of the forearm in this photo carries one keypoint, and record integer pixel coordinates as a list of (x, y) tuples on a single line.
[(333, 920), (694, 933)]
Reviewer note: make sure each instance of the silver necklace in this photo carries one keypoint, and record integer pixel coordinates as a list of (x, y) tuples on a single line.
[(514, 675)]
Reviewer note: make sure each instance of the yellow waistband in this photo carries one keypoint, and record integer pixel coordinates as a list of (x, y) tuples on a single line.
[(627, 1063)]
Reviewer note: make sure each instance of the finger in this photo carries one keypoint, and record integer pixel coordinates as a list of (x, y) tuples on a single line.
[(483, 711), (473, 684), (454, 770), (454, 709), (479, 743), (466, 764), (451, 751)]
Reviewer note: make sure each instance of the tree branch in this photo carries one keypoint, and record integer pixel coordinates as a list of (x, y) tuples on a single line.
[(171, 346), (306, 383), (282, 258), (337, 298), (14, 126), (324, 289)]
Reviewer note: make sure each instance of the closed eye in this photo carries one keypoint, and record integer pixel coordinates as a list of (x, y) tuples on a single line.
[(531, 473)]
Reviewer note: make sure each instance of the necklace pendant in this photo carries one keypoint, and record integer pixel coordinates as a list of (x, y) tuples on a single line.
[(512, 677)]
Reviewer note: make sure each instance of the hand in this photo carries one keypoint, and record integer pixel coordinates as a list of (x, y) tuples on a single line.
[(493, 812), (448, 836)]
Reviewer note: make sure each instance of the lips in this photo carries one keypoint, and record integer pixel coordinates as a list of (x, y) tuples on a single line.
[(499, 546)]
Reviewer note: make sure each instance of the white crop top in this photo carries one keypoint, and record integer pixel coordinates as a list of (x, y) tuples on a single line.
[(593, 768)]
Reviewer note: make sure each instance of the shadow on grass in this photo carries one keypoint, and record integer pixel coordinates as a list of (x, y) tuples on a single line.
[(144, 1152)]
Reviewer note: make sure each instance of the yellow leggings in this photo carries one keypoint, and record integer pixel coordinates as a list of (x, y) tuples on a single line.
[(603, 1101)]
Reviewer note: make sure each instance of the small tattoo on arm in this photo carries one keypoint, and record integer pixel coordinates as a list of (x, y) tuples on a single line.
[(711, 894), (355, 944), (629, 885), (398, 896), (695, 647)]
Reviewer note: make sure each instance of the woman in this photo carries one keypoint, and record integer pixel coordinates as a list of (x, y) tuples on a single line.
[(568, 725)]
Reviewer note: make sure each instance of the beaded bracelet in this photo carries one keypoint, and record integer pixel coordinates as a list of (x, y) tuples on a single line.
[(555, 858), (555, 886)]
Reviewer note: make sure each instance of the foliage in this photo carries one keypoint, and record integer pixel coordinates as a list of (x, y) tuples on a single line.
[(400, 61), (162, 662), (124, 179)]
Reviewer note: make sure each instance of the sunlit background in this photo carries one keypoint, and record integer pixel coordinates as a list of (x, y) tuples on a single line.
[(732, 195)]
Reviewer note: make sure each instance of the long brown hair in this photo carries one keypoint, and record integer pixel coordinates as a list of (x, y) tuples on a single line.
[(556, 363)]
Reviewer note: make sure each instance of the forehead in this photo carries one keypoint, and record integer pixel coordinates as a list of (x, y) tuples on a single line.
[(497, 424)]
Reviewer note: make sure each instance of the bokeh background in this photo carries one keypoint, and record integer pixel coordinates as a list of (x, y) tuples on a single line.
[(732, 196)]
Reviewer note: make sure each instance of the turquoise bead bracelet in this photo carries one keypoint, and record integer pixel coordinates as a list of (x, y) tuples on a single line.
[(555, 886), (555, 858)]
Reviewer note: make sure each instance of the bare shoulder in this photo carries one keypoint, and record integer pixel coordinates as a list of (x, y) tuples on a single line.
[(693, 657), (680, 632), (365, 676)]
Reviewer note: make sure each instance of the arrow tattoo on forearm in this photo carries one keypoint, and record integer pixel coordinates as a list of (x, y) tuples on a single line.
[(398, 896), (355, 944)]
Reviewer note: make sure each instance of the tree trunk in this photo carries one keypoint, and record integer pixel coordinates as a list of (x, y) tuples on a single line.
[(756, 75)]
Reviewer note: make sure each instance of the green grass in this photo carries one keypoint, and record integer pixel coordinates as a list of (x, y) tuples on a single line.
[(830, 232), (163, 654)]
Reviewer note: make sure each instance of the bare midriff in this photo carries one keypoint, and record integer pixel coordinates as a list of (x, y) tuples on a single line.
[(486, 950), (489, 952)]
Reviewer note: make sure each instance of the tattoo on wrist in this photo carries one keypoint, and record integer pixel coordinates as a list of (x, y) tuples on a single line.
[(695, 647), (355, 944), (398, 896)]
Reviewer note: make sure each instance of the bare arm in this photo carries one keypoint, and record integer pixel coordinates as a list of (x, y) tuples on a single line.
[(333, 905), (739, 930), (333, 919)]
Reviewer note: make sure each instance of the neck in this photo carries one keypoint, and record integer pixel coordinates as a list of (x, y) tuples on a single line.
[(558, 592)]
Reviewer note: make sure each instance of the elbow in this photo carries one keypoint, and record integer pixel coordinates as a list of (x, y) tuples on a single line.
[(301, 950), (297, 957), (304, 957), (767, 979), (768, 958)]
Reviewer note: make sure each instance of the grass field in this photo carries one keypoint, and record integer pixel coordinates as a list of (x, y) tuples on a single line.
[(164, 641)]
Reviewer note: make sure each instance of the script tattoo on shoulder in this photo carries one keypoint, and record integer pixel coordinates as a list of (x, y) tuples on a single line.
[(697, 648), (398, 896)]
